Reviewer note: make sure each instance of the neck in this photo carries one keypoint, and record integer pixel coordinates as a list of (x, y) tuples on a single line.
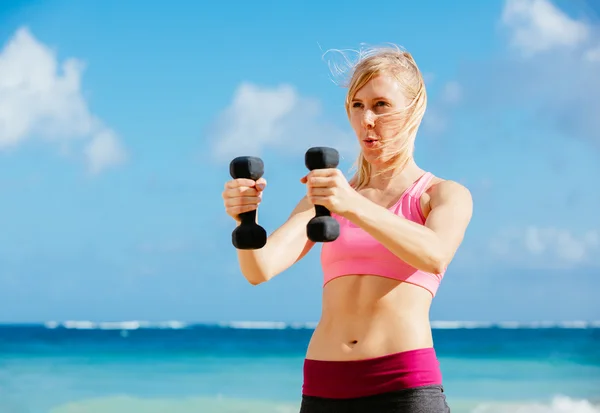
[(397, 177)]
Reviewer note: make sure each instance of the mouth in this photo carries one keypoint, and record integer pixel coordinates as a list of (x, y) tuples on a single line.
[(370, 142)]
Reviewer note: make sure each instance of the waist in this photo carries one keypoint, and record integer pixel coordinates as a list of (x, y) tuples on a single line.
[(368, 335), (366, 377)]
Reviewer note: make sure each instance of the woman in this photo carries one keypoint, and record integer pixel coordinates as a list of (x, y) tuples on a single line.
[(372, 350)]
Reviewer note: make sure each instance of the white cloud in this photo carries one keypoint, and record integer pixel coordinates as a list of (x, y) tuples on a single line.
[(274, 117), (104, 150), (551, 81), (538, 26), (561, 83), (547, 247), (42, 98)]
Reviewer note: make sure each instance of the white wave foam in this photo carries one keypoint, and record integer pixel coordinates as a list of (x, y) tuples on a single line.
[(559, 404), (448, 325), (280, 325), (115, 325), (266, 325), (452, 325), (576, 324), (255, 325)]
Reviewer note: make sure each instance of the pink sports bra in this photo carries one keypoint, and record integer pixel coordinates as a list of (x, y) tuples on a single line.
[(357, 252)]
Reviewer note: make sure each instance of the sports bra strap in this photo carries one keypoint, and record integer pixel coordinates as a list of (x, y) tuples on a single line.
[(421, 184)]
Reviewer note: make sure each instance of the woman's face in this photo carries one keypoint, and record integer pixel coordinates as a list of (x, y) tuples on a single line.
[(381, 95)]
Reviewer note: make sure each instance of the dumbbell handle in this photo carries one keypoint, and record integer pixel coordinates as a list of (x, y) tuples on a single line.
[(248, 217), (321, 211)]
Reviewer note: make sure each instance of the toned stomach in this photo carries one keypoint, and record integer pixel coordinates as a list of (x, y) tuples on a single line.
[(366, 316)]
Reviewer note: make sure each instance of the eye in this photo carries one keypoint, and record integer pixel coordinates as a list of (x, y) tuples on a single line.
[(382, 103), (357, 105)]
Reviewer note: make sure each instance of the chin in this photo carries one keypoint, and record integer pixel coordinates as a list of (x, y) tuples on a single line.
[(375, 156), (375, 159)]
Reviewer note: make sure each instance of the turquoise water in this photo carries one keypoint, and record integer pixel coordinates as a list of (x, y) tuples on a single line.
[(178, 368)]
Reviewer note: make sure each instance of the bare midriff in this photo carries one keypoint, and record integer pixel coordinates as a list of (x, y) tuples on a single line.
[(366, 316)]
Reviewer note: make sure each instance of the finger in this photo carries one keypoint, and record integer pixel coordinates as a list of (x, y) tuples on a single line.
[(318, 200), (236, 183), (320, 192), (304, 179), (324, 172), (261, 184), (243, 200), (240, 191), (236, 210), (319, 181)]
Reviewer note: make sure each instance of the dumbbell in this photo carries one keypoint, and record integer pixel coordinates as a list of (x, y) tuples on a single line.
[(248, 235), (322, 227)]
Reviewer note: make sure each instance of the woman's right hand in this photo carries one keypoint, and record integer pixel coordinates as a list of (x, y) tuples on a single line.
[(242, 195)]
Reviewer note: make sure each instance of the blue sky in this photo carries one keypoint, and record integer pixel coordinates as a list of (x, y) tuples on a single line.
[(117, 124)]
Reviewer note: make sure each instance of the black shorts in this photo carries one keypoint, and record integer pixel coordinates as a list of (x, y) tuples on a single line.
[(425, 399)]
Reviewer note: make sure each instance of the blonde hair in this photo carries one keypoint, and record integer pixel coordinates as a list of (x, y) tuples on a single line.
[(391, 60)]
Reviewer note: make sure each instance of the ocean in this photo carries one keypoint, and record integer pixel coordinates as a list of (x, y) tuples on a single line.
[(173, 367)]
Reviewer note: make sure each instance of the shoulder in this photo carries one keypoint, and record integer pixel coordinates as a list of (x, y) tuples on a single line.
[(449, 192), (447, 188), (440, 191)]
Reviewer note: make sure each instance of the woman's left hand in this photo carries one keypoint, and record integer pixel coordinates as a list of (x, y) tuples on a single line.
[(330, 188)]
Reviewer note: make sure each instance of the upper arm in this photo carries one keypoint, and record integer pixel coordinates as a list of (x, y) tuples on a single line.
[(451, 209)]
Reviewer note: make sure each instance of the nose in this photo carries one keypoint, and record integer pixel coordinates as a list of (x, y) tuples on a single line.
[(368, 119)]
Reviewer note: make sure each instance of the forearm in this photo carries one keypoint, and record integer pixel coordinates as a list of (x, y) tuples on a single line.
[(253, 266), (413, 243), (261, 265), (285, 246)]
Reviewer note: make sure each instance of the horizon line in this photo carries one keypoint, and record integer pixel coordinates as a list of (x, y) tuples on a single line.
[(271, 325)]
